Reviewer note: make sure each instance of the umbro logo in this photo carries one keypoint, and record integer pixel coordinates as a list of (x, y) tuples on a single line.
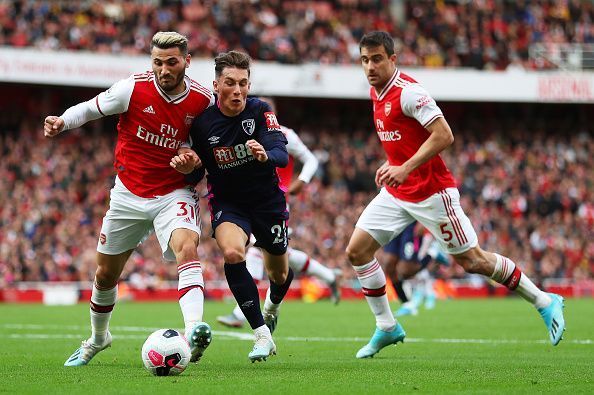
[(247, 304), (149, 110), (214, 139)]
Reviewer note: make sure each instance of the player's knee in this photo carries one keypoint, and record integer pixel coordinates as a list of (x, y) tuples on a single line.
[(106, 278), (278, 277), (233, 255), (356, 256), (186, 252)]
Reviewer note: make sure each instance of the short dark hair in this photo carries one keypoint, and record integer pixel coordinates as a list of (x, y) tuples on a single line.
[(376, 39), (235, 59)]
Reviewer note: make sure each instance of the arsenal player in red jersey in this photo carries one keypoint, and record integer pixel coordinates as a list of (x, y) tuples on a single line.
[(417, 185), (156, 110)]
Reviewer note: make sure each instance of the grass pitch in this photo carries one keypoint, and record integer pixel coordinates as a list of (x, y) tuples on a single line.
[(475, 346)]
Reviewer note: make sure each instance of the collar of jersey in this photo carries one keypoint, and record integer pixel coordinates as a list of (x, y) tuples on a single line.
[(381, 95), (173, 98)]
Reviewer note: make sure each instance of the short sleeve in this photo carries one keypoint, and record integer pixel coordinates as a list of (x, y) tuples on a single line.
[(418, 104), (116, 99)]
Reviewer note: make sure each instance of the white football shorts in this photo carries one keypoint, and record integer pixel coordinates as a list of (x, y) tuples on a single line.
[(386, 217), (131, 219)]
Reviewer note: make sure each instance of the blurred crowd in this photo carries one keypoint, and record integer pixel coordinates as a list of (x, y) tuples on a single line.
[(527, 184), (483, 34)]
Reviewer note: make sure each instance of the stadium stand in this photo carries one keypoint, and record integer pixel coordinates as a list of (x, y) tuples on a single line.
[(524, 169), (529, 180), (494, 34)]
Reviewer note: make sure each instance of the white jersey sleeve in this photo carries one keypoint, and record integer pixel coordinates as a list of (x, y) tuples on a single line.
[(115, 100), (299, 150), (418, 104)]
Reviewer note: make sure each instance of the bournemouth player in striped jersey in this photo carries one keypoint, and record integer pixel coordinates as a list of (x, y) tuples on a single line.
[(156, 110), (417, 185), (299, 261)]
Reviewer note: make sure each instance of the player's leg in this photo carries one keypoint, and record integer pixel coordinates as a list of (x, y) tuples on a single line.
[(435, 257), (404, 248), (360, 251), (103, 299), (381, 221), (123, 227), (390, 264), (232, 239), (443, 216), (504, 271), (184, 243), (269, 224), (300, 262), (176, 224), (406, 271), (428, 284), (281, 276), (255, 265)]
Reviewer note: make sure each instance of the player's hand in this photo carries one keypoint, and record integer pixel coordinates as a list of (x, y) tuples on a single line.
[(52, 126), (184, 150), (257, 150), (380, 172), (393, 176), (296, 187), (186, 163)]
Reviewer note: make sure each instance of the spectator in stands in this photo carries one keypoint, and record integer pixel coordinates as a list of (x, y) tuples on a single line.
[(478, 34)]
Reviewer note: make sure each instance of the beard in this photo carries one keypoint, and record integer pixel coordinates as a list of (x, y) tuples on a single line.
[(171, 84)]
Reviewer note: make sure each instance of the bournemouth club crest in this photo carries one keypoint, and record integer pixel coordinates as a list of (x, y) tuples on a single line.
[(248, 125)]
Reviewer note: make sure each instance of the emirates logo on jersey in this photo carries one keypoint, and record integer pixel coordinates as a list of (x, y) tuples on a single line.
[(388, 108)]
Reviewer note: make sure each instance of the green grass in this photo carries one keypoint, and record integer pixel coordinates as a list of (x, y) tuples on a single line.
[(316, 351)]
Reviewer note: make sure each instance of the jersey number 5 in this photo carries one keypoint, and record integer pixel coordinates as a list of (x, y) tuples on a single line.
[(446, 233)]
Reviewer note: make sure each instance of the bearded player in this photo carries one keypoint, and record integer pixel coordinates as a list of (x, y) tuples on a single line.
[(156, 110)]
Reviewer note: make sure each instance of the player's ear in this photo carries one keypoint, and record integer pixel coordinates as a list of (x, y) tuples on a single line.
[(215, 86), (188, 58)]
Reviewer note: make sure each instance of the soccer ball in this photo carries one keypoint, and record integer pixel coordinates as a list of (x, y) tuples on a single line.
[(166, 352)]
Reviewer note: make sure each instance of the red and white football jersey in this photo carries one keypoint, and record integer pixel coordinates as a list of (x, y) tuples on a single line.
[(297, 150), (401, 111), (152, 126)]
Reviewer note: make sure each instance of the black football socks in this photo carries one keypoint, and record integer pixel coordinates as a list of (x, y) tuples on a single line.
[(244, 290), (278, 292)]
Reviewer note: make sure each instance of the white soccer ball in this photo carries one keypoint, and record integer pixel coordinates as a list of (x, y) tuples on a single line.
[(166, 352)]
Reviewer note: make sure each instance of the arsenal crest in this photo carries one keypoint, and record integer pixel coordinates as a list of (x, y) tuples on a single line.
[(248, 125), (189, 119), (388, 108)]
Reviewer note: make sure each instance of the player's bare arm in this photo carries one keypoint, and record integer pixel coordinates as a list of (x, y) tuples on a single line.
[(440, 138), (296, 187), (257, 150), (52, 126)]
